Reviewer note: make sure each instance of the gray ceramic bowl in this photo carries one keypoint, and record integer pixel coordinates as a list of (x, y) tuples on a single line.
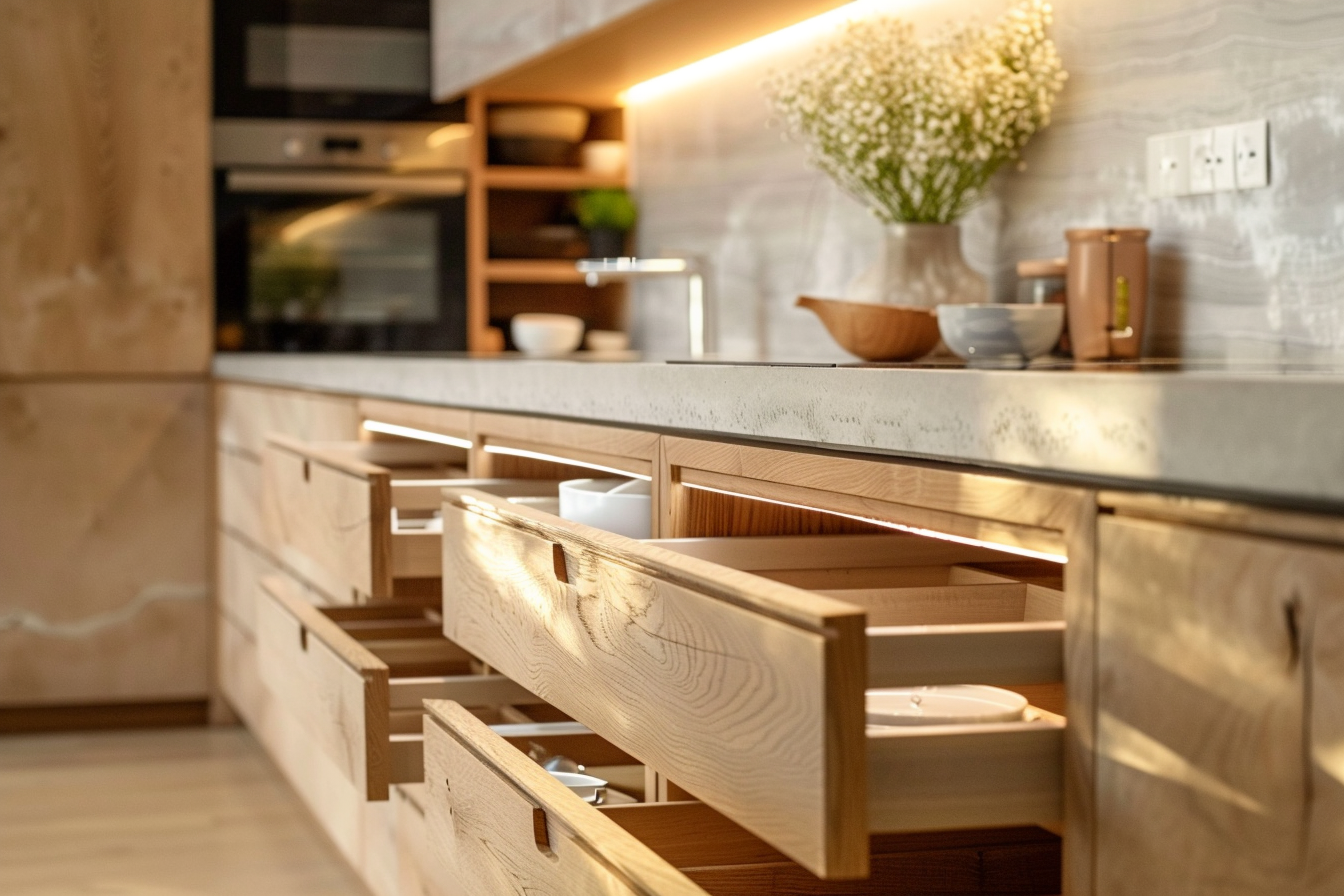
[(1000, 335)]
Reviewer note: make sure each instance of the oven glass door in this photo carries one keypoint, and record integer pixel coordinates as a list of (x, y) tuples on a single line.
[(339, 270)]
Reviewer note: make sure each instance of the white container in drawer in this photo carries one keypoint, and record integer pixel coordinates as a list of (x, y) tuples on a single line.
[(705, 663)]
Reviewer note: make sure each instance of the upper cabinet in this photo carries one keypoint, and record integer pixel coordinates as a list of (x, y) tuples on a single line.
[(105, 265), (589, 51)]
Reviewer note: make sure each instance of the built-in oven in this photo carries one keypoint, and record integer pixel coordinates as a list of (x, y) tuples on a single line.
[(340, 236), (338, 59)]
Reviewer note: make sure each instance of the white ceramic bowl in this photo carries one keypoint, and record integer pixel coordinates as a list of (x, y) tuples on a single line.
[(603, 156), (593, 502), (948, 704), (1000, 335), (586, 787), (546, 335), (547, 122)]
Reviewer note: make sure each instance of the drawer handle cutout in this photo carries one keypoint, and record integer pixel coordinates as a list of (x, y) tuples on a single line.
[(558, 558), (539, 834), (303, 638), (307, 473)]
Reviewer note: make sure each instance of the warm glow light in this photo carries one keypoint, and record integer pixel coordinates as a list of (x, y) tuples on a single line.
[(806, 30), (537, 455), (393, 429), (447, 134), (328, 216), (913, 530)]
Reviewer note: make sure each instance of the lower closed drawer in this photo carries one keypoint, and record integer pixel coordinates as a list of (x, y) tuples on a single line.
[(737, 668), (356, 678), (498, 823)]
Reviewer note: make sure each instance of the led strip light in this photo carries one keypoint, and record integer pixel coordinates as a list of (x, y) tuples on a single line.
[(408, 432), (570, 462), (913, 530)]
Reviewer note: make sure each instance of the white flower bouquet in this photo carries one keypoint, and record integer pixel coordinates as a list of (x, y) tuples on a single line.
[(916, 128)]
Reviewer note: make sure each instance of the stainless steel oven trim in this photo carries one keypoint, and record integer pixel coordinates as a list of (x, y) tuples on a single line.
[(244, 180)]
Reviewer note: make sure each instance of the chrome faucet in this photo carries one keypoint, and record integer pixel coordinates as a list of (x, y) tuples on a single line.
[(698, 313)]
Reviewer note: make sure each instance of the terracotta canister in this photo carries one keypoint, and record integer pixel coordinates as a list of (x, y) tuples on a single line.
[(1107, 291)]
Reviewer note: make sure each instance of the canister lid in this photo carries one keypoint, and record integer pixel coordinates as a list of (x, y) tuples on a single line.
[(1043, 267), (1107, 234)]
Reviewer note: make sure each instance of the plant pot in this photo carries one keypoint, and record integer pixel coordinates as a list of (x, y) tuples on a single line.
[(606, 243), (920, 266)]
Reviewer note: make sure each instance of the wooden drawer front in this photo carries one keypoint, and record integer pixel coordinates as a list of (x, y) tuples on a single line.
[(1218, 741), (498, 823), (503, 825), (248, 415), (745, 691), (328, 512), (239, 482), (719, 680), (241, 569)]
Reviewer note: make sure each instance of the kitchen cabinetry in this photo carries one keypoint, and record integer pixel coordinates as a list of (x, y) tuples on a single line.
[(104, 186), (1220, 678), (104, 535), (590, 50)]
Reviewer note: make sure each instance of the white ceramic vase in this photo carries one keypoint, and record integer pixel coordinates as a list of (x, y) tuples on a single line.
[(920, 266)]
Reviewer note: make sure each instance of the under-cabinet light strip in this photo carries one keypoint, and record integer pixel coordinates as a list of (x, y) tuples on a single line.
[(913, 530), (776, 41), (570, 462), (423, 435)]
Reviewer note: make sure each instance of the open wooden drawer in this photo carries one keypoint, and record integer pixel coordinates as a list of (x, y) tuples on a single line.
[(355, 678), (749, 692), (499, 823)]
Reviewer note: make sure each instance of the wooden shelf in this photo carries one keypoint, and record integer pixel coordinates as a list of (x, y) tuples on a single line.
[(531, 270), (523, 177)]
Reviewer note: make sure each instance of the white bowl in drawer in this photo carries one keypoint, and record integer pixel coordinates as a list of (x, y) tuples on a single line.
[(952, 704), (623, 506)]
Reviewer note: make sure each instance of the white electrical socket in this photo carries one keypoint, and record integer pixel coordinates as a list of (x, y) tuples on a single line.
[(1201, 164), (1251, 152), (1169, 164), (1224, 158)]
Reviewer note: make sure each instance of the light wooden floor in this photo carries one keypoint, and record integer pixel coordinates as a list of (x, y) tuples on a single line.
[(191, 812)]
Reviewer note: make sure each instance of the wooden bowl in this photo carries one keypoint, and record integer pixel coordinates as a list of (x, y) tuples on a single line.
[(876, 332)]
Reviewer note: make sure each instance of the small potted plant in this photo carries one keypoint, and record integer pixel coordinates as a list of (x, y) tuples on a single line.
[(607, 216)]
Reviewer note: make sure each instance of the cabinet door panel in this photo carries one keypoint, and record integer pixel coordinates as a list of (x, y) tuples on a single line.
[(1215, 688), (104, 542), (104, 186)]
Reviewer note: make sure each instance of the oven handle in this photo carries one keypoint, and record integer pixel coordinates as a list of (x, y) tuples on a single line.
[(240, 180)]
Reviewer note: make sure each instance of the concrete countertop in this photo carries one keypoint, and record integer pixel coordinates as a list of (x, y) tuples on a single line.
[(1258, 434)]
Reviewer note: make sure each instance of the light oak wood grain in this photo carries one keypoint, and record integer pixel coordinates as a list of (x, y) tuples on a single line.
[(104, 542), (504, 824), (1218, 712), (454, 422), (199, 811), (240, 567), (238, 496), (331, 683), (246, 414), (1052, 519), (105, 187)]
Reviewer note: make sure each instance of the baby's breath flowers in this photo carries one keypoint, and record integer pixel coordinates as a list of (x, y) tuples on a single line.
[(916, 128)]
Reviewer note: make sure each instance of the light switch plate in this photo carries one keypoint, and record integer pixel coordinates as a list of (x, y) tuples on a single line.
[(1251, 152), (1201, 164), (1224, 158), (1168, 165)]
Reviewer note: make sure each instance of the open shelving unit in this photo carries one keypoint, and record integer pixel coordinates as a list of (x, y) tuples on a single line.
[(503, 198)]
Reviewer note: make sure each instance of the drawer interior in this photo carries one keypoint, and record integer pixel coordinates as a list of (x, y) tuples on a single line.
[(768, 635), (629, 839)]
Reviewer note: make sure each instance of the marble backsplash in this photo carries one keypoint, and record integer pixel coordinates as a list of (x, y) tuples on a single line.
[(1257, 273)]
